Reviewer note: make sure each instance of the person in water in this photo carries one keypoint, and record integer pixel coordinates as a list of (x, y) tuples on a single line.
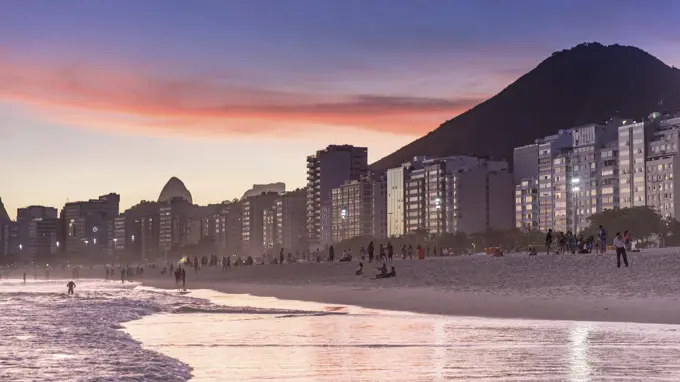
[(24, 277), (70, 287)]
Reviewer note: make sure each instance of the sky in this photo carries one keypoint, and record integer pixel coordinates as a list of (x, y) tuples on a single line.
[(120, 95)]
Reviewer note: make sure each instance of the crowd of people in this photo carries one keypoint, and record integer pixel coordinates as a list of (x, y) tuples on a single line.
[(562, 243)]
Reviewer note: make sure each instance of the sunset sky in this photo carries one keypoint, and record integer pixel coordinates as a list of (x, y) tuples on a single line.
[(119, 95)]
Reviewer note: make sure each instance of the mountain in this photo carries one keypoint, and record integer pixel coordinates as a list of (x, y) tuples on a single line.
[(586, 84)]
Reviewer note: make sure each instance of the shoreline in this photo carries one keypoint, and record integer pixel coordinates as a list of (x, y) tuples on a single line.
[(544, 287), (432, 301)]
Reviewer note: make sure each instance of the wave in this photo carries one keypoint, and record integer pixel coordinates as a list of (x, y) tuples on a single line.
[(281, 313)]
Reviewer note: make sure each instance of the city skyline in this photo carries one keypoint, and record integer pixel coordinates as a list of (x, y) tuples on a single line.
[(119, 97)]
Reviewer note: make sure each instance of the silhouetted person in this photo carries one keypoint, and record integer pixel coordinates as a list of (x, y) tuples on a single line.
[(331, 254), (122, 275), (371, 252), (184, 278), (360, 271), (70, 287), (620, 246)]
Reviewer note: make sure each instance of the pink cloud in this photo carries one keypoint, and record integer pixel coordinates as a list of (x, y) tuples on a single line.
[(113, 99)]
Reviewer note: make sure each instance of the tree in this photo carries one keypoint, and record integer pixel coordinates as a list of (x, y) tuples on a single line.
[(641, 221)]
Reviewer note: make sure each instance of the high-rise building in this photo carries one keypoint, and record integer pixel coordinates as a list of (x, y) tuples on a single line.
[(577, 176), (175, 224), (290, 211), (663, 168), (526, 204), (253, 222), (453, 194), (328, 169), (38, 231), (89, 224), (358, 208), (228, 228), (269, 237), (525, 162)]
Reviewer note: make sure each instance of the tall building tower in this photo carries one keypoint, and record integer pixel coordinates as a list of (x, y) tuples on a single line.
[(328, 169)]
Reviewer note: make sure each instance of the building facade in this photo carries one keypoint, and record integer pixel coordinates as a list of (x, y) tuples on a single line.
[(253, 224), (290, 211), (526, 205), (359, 208), (328, 169), (89, 225), (396, 182)]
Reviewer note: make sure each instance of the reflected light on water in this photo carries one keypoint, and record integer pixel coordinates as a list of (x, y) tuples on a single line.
[(368, 345), (579, 362)]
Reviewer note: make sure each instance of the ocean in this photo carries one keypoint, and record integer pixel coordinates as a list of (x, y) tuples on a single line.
[(113, 332)]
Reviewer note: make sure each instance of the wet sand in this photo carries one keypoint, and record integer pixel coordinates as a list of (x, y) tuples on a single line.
[(567, 287)]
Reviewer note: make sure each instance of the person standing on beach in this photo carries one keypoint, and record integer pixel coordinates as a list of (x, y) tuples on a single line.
[(122, 275), (620, 246), (184, 278), (410, 251), (382, 252), (371, 251), (24, 277), (548, 241), (331, 254), (390, 251), (603, 240), (362, 252)]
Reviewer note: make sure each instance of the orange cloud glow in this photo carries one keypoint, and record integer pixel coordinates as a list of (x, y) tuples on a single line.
[(117, 100)]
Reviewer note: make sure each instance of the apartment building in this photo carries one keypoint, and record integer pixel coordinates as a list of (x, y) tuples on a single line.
[(662, 167), (290, 220), (359, 208), (457, 194), (328, 169), (89, 224), (253, 224), (526, 204)]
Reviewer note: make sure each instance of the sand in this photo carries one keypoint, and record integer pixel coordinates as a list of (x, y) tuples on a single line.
[(566, 287), (556, 287)]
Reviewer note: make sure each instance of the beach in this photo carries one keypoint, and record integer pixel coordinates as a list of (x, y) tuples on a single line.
[(568, 317), (556, 287)]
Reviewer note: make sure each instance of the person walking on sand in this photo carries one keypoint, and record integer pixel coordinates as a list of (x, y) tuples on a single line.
[(620, 246), (371, 252), (390, 251)]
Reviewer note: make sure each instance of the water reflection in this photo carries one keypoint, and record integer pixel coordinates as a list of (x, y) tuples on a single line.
[(580, 366), (383, 346)]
